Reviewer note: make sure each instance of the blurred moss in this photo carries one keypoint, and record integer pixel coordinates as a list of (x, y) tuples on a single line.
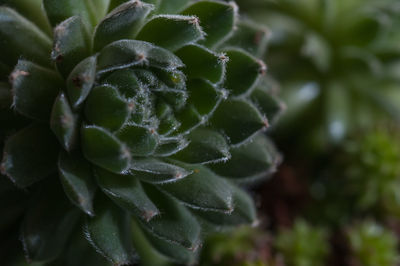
[(373, 245), (303, 245)]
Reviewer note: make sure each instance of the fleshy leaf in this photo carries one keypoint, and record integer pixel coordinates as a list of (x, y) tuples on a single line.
[(169, 146), (250, 37), (171, 31), (103, 149), (216, 18), (175, 223), (109, 232), (207, 191), (244, 211), (21, 38), (259, 157), (80, 81), (32, 10), (63, 123), (128, 53), (171, 6), (153, 249), (77, 179), (104, 107), (127, 192), (126, 82), (202, 63), (34, 90), (30, 155), (238, 120), (47, 225), (141, 141), (206, 146), (203, 95), (122, 23), (60, 10), (157, 172), (267, 104), (71, 44), (242, 72)]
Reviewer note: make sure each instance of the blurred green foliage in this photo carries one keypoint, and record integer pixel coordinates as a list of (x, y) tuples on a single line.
[(373, 245), (303, 245)]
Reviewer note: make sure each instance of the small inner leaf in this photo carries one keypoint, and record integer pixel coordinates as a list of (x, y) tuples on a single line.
[(141, 141)]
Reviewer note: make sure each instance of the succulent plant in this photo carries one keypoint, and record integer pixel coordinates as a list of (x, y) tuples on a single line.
[(372, 244), (303, 245), (135, 121)]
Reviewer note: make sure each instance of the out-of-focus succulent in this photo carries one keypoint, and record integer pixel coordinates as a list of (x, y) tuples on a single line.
[(372, 245), (144, 115), (303, 245), (337, 62)]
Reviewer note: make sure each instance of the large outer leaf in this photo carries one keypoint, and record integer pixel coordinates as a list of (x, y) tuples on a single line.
[(30, 155), (109, 232), (20, 37)]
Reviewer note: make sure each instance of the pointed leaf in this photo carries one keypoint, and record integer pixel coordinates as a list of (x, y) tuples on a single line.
[(80, 81), (77, 179), (71, 44), (63, 123), (250, 37), (153, 250), (32, 10), (206, 146), (109, 232), (242, 72), (216, 18), (47, 224), (126, 53), (238, 120), (157, 172), (34, 90), (259, 156), (175, 223), (267, 104), (170, 146), (30, 155), (202, 63), (60, 10), (244, 212), (202, 190), (21, 38), (122, 23), (127, 192), (171, 32), (103, 149), (104, 107), (141, 141), (189, 118), (203, 95)]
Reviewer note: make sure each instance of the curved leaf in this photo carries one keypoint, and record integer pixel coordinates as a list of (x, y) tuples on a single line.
[(21, 38), (34, 90), (171, 31), (103, 149), (122, 23), (238, 120), (77, 179), (202, 190), (30, 155), (141, 141), (63, 123), (217, 19), (71, 44), (127, 192)]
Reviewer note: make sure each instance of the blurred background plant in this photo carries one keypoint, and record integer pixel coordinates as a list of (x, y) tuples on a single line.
[(336, 64)]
